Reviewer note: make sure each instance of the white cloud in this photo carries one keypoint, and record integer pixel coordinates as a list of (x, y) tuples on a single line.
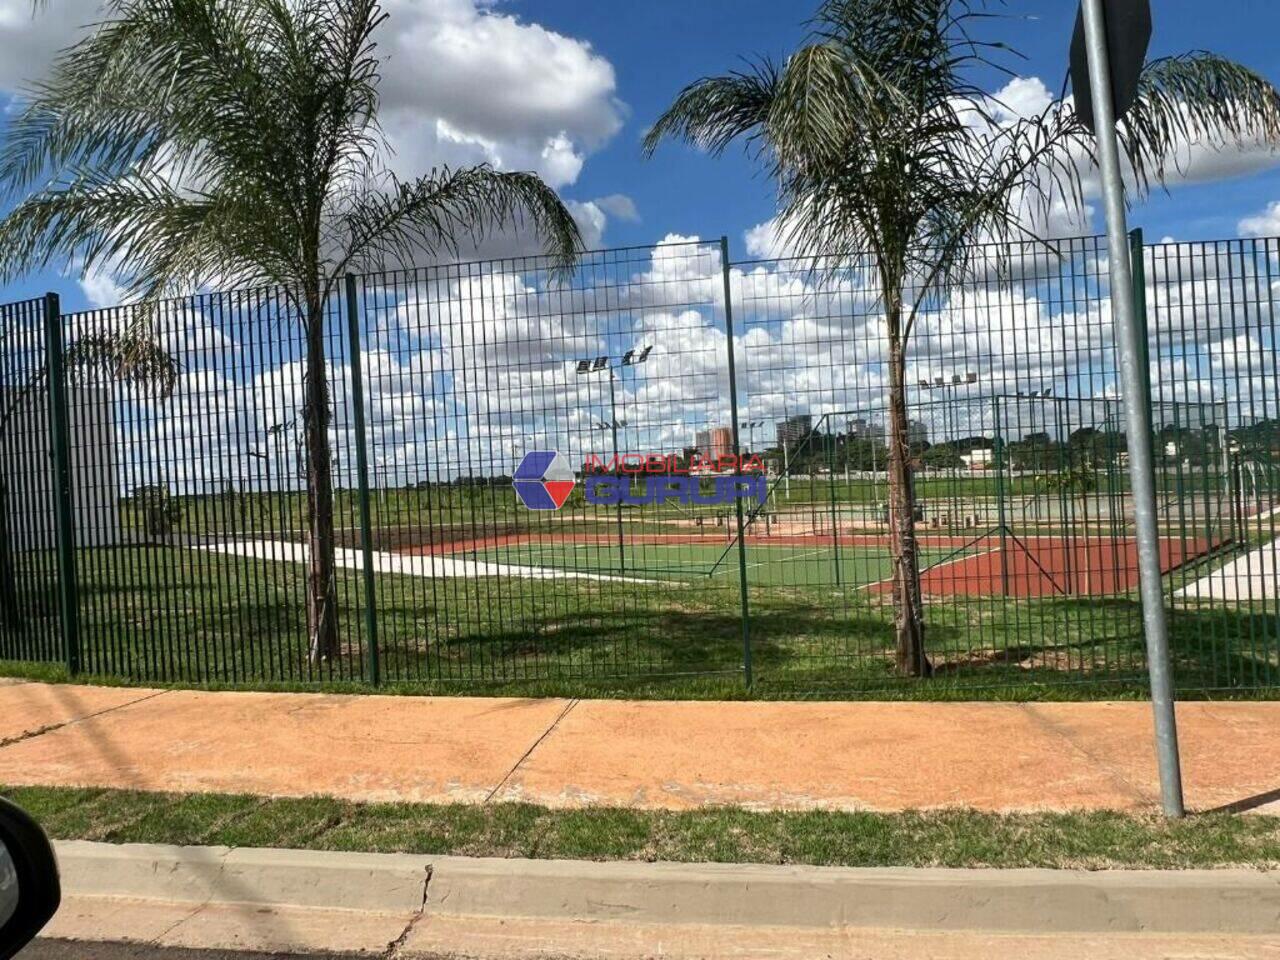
[(1264, 224), (101, 289), (619, 206), (764, 241), (465, 370), (462, 83), (30, 40)]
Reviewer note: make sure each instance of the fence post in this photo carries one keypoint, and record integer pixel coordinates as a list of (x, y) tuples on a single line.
[(362, 470), (1138, 268), (64, 524), (737, 452), (1002, 520)]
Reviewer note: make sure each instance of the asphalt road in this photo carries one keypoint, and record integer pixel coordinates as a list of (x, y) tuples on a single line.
[(83, 950)]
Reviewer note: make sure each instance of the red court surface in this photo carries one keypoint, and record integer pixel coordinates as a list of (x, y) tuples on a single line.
[(1049, 566)]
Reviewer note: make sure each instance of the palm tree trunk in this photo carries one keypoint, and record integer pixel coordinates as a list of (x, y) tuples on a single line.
[(322, 601), (908, 608), (1087, 559)]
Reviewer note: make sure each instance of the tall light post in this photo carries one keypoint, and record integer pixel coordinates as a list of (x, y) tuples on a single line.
[(275, 433), (786, 450), (265, 460), (1037, 456), (874, 433), (948, 390), (1032, 395), (593, 365)]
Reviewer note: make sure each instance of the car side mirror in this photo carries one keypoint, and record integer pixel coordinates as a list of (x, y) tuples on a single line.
[(29, 887)]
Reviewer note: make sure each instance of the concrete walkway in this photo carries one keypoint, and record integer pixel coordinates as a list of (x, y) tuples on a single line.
[(674, 755), (1254, 576), (409, 565)]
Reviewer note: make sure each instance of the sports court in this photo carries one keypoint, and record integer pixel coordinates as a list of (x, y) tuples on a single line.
[(991, 564), (1050, 566), (767, 564)]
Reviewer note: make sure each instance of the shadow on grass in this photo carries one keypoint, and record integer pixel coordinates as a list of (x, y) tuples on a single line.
[(170, 615)]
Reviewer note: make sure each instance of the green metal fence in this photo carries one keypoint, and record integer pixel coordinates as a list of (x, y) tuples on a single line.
[(164, 533)]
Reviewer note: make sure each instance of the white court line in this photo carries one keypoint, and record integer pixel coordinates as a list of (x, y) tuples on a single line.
[(405, 564)]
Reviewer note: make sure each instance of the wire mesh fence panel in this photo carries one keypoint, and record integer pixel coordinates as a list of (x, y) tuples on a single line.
[(1212, 313), (553, 464), (1017, 455), (189, 437), (544, 453), (30, 626)]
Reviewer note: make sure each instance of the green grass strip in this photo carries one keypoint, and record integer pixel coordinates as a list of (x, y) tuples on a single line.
[(953, 838), (725, 687)]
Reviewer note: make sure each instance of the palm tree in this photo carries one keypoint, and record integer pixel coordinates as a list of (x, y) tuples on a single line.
[(886, 155), (186, 142)]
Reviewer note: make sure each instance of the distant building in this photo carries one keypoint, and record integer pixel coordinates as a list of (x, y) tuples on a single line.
[(863, 429), (714, 443), (793, 430), (917, 433)]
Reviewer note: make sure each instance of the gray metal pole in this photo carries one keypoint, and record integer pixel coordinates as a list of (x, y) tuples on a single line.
[(362, 471), (1137, 413), (744, 595)]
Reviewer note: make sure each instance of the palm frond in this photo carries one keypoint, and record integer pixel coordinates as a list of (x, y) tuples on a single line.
[(1196, 97), (132, 356), (191, 141), (715, 111), (430, 215)]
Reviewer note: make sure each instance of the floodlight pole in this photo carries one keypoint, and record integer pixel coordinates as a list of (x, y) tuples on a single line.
[(613, 430), (1137, 413), (786, 449), (605, 364)]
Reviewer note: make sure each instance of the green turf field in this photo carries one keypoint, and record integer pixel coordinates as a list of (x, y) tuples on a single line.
[(788, 565)]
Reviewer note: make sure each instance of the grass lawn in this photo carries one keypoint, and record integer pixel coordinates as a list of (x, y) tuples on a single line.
[(186, 616), (913, 839)]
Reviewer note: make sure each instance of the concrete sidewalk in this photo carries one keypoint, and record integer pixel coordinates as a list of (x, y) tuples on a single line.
[(675, 755)]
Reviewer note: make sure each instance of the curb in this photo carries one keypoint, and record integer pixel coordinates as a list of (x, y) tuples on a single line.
[(1024, 901)]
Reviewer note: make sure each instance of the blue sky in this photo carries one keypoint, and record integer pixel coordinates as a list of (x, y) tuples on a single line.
[(625, 63), (657, 47), (568, 88)]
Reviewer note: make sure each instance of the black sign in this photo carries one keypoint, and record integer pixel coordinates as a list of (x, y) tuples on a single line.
[(1128, 26)]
